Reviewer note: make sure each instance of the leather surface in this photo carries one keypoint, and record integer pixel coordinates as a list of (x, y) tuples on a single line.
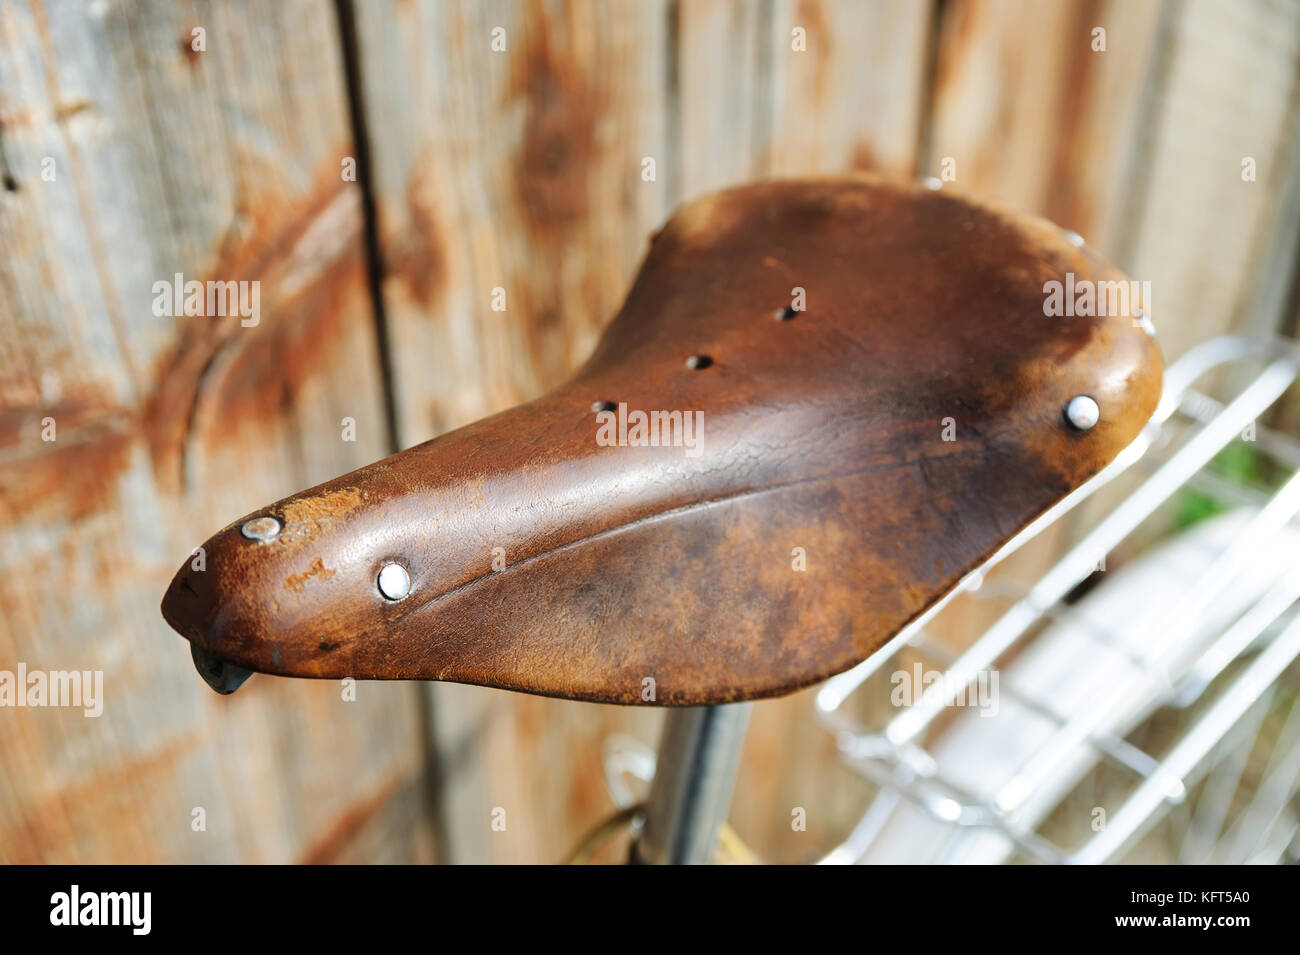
[(822, 433)]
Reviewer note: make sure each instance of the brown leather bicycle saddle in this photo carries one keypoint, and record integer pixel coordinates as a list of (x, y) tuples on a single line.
[(819, 509)]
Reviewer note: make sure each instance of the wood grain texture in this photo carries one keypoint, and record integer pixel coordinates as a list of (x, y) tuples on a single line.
[(222, 164), (1229, 91), (518, 169), (1032, 115), (847, 83), (1139, 147)]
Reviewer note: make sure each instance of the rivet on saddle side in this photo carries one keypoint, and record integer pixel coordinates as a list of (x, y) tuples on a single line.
[(856, 458)]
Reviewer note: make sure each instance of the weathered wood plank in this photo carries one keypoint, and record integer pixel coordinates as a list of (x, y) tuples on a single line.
[(518, 169), (220, 164), (720, 106), (1138, 147), (1228, 94), (847, 82), (1030, 111), (512, 170)]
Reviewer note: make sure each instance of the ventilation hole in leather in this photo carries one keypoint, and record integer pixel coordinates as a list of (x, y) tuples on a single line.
[(699, 361), (785, 314), (599, 406)]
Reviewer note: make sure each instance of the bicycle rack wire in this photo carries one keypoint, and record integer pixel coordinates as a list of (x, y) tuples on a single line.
[(1145, 711)]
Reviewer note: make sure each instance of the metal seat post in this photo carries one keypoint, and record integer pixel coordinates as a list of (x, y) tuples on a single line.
[(694, 778)]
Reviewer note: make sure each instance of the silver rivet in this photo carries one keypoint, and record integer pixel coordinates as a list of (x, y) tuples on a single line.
[(930, 182), (394, 581), (1074, 238), (261, 529), (1082, 412)]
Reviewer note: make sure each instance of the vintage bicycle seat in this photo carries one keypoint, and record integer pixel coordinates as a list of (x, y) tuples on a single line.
[(846, 465)]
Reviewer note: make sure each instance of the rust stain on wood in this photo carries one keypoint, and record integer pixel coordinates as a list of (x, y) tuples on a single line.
[(960, 24), (186, 44), (821, 43), (72, 476), (559, 131), (416, 254), (65, 111), (864, 157), (306, 280), (39, 833), (345, 826)]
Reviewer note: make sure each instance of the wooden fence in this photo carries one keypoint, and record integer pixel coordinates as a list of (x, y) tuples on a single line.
[(380, 168)]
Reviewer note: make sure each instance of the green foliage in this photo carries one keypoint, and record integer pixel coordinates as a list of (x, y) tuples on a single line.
[(1238, 462)]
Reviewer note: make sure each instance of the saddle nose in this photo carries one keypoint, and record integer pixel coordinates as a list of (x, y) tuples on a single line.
[(822, 404)]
